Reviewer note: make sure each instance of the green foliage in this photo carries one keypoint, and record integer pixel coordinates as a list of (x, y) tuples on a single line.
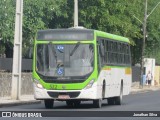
[(113, 16), (37, 14), (153, 31), (117, 17), (7, 20), (2, 49)]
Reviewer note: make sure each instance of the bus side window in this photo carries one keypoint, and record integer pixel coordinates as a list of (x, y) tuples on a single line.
[(100, 54), (124, 47), (105, 51), (121, 48), (127, 49), (102, 47), (115, 46), (109, 46), (106, 46)]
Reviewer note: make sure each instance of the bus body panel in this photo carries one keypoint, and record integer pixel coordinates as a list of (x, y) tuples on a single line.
[(112, 75), (91, 93)]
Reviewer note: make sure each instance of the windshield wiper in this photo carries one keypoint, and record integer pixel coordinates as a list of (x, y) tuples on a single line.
[(75, 48), (53, 50)]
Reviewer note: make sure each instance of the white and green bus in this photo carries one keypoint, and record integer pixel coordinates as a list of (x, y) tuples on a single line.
[(75, 65)]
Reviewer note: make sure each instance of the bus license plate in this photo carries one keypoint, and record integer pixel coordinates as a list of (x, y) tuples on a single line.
[(63, 97)]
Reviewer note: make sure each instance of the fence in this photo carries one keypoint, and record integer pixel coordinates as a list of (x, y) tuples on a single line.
[(136, 74), (6, 64)]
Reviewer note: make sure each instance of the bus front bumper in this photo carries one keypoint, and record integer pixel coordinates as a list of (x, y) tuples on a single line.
[(90, 93)]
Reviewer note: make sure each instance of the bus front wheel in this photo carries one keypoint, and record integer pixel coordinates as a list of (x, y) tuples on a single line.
[(49, 103), (97, 103)]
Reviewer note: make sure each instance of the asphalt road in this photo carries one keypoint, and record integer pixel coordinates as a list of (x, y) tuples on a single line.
[(149, 101)]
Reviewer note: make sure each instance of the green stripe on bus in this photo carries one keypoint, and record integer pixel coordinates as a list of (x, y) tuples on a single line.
[(111, 36)]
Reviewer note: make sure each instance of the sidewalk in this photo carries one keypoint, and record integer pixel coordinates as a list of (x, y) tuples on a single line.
[(25, 99), (137, 89), (29, 99)]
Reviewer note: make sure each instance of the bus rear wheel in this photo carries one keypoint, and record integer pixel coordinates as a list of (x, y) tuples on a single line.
[(118, 100), (49, 103)]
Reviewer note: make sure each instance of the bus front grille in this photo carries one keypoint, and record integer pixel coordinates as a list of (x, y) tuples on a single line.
[(56, 94)]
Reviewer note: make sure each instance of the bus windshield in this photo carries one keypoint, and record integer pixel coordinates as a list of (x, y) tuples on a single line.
[(64, 60)]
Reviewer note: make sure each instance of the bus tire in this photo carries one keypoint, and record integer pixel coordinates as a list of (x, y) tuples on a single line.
[(118, 100), (103, 90), (97, 103), (49, 103)]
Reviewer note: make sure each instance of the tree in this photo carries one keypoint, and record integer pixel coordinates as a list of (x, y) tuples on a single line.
[(112, 16), (37, 15), (115, 17), (7, 14), (153, 30)]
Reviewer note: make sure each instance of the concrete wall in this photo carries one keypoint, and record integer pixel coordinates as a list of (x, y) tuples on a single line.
[(6, 64), (157, 75), (27, 87), (5, 84), (136, 74)]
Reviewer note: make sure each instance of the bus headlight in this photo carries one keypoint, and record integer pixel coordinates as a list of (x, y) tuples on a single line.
[(38, 84), (89, 85)]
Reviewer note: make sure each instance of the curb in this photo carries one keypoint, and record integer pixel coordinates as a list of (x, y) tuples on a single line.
[(140, 91), (16, 103), (143, 90), (19, 102)]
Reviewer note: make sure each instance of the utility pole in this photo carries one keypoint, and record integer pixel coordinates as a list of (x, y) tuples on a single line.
[(143, 44), (75, 13), (144, 37), (17, 53)]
